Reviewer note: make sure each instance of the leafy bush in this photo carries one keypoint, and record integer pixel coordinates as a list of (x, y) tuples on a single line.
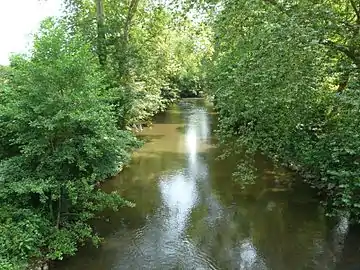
[(60, 139)]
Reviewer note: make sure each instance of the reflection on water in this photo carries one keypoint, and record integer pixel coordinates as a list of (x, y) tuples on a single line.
[(191, 215)]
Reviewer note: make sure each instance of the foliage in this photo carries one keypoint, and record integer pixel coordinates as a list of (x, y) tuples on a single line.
[(59, 139), (291, 69), (153, 53), (65, 107)]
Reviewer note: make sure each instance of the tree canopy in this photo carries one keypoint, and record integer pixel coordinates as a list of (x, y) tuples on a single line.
[(291, 69)]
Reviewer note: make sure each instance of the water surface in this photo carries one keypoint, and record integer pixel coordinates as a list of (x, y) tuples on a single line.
[(189, 213)]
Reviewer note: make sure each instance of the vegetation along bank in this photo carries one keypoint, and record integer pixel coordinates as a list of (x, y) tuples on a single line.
[(284, 75)]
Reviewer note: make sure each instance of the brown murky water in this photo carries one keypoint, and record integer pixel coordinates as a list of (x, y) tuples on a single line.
[(191, 215)]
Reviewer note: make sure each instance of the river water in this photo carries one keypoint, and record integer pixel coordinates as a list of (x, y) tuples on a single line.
[(190, 214)]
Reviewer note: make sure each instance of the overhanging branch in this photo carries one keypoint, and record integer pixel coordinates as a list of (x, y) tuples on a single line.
[(347, 50), (356, 10)]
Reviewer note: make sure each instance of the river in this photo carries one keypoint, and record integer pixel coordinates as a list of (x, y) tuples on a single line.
[(190, 214)]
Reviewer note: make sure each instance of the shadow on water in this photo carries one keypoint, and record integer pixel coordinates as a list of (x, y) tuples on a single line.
[(149, 138), (190, 214)]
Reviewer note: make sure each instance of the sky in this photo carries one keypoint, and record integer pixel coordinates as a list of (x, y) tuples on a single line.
[(20, 18)]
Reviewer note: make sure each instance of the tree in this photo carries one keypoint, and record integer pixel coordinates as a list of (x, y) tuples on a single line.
[(291, 70), (152, 53), (63, 140)]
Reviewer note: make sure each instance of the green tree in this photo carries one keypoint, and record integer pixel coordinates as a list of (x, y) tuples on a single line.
[(153, 54), (63, 140), (291, 71)]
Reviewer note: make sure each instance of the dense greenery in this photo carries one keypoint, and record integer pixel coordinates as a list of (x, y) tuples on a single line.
[(58, 139), (285, 76), (150, 53), (64, 113), (291, 72)]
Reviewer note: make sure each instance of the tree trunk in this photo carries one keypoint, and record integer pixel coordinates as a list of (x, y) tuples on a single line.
[(101, 39), (58, 218), (123, 46)]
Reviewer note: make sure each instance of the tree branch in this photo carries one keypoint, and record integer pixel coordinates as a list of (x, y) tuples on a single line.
[(339, 47), (357, 10), (347, 50)]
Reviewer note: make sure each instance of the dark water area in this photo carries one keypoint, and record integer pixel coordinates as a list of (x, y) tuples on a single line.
[(190, 214)]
